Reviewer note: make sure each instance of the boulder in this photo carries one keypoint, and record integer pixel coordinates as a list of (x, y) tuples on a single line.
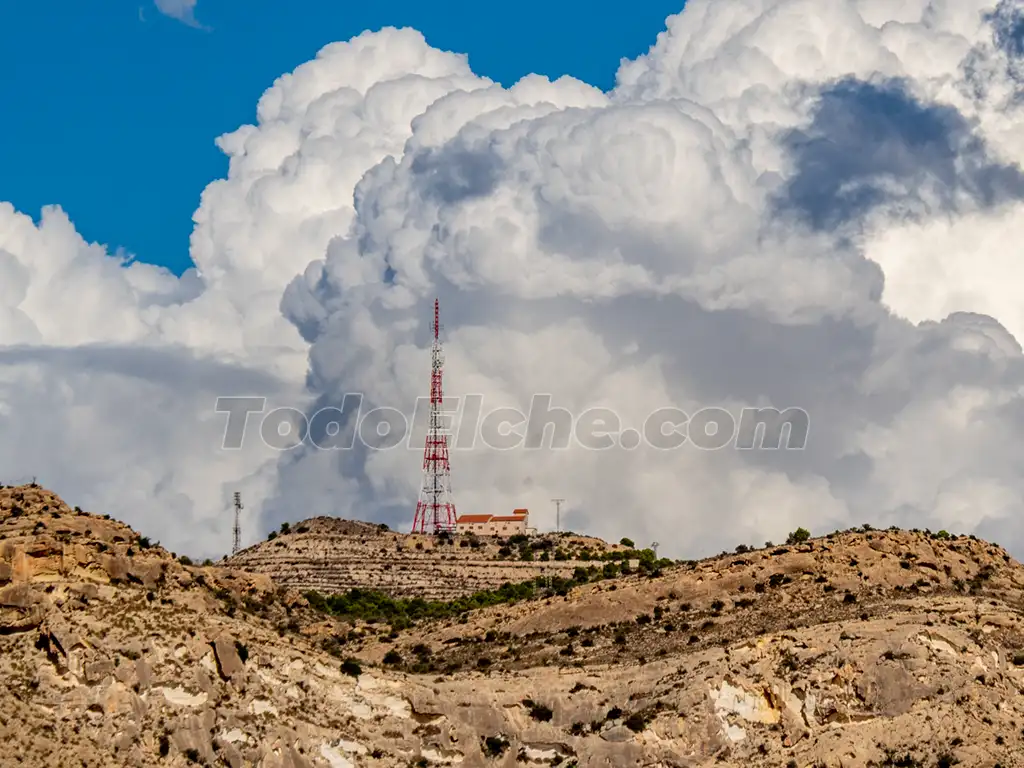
[(229, 663)]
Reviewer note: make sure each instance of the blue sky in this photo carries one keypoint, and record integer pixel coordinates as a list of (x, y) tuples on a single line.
[(111, 109)]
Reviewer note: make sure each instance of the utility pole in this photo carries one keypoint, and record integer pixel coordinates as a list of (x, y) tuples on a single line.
[(237, 540), (558, 514)]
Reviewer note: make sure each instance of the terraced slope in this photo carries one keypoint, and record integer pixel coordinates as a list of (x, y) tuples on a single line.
[(329, 555)]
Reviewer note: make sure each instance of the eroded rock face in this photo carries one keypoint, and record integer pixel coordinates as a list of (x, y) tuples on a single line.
[(206, 669), (21, 608)]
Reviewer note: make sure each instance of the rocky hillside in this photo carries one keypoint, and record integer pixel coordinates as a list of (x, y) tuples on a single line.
[(331, 555), (861, 649)]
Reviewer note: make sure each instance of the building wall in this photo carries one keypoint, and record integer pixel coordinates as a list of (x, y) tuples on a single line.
[(508, 527), (495, 528)]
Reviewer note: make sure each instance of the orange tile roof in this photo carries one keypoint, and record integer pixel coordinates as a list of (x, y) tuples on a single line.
[(520, 512), (507, 519), (475, 519)]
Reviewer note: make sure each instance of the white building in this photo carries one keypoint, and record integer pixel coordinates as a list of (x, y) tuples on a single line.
[(496, 525)]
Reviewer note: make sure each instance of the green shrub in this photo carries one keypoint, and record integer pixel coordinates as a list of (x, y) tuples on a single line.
[(636, 722), (539, 712), (369, 605), (351, 667), (627, 542), (495, 746), (799, 536)]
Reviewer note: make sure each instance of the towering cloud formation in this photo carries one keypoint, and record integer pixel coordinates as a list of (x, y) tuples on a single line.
[(783, 203)]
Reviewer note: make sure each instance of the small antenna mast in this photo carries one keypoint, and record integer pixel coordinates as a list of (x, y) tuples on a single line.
[(237, 541), (558, 514)]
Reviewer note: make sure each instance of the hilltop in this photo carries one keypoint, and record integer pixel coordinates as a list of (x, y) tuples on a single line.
[(332, 555), (863, 648)]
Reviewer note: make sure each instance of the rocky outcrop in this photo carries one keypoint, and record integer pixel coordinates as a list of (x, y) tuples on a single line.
[(21, 608), (759, 659)]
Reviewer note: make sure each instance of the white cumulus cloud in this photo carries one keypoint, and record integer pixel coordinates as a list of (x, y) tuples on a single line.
[(782, 204)]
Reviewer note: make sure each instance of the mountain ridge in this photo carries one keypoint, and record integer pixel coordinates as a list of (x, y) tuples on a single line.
[(115, 658)]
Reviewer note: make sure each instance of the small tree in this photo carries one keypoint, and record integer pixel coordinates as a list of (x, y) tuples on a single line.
[(495, 746), (627, 542), (799, 536), (636, 722), (285, 528), (538, 712)]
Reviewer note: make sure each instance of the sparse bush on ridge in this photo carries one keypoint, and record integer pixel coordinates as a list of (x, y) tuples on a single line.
[(799, 536)]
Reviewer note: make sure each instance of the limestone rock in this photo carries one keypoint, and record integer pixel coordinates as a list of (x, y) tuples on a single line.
[(754, 660), (22, 608), (229, 663)]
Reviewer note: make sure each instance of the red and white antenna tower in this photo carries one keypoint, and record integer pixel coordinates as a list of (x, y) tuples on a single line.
[(435, 510)]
